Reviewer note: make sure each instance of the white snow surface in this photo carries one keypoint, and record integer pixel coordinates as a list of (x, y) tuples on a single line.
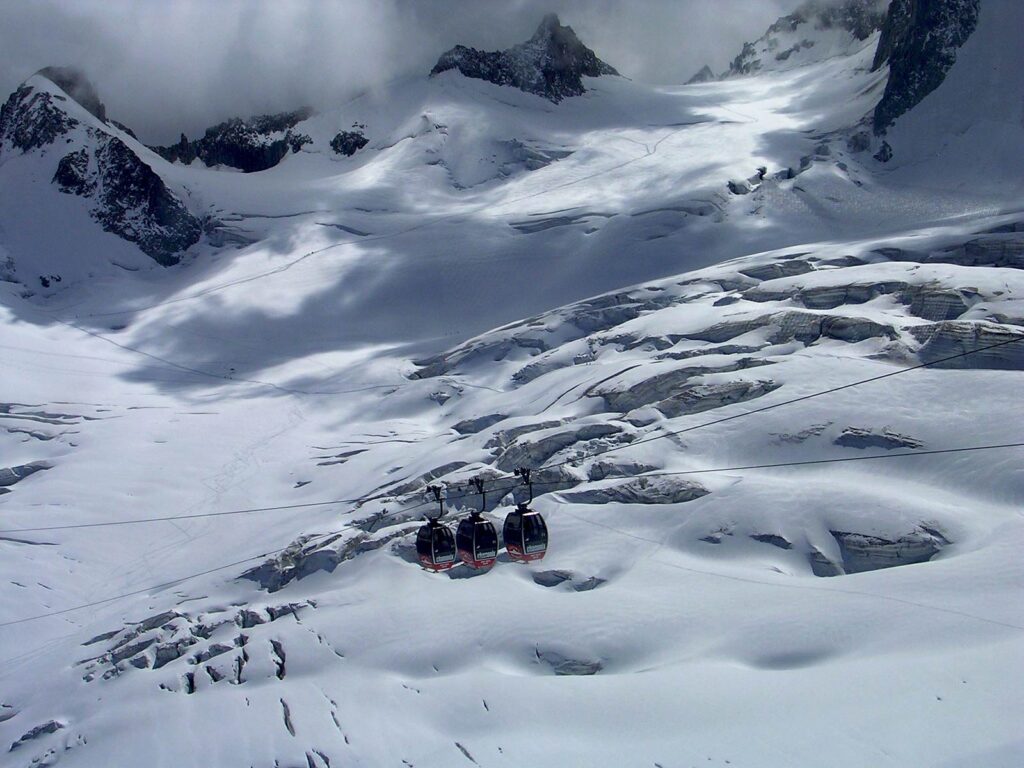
[(283, 371)]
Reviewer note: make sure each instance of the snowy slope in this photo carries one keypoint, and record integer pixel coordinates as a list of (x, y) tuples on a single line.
[(339, 349)]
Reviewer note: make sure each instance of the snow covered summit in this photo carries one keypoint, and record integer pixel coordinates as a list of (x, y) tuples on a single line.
[(813, 32), (53, 128)]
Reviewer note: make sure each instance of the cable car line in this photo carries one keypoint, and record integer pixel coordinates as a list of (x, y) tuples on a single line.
[(331, 533), (567, 461), (154, 587), (791, 585), (800, 399), (509, 488), (180, 517), (838, 460)]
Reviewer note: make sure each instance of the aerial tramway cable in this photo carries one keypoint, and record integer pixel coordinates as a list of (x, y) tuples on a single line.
[(611, 449), (332, 533), (562, 463)]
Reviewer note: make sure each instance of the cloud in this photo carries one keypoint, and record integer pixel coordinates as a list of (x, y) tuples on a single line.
[(166, 67)]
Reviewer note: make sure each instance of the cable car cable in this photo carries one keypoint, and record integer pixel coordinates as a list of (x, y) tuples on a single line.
[(331, 533), (674, 433), (549, 466), (838, 460), (153, 587), (181, 517), (800, 399)]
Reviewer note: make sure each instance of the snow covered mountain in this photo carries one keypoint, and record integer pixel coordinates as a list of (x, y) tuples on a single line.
[(54, 125), (216, 450), (815, 31)]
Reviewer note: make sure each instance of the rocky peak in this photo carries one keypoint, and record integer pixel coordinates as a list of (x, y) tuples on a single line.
[(253, 144), (551, 64), (919, 42), (783, 42), (31, 119), (87, 159), (703, 76), (76, 85)]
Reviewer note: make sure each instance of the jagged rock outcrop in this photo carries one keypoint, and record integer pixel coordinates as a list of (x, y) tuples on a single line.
[(550, 64), (703, 75), (11, 475), (795, 32), (533, 453), (919, 42), (31, 119), (132, 200), (348, 142), (863, 437), (51, 726), (860, 552), (950, 338), (251, 145), (641, 490), (129, 198)]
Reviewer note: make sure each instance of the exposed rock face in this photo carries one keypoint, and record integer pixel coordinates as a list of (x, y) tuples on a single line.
[(642, 490), (348, 142), (251, 145), (550, 64), (860, 437), (132, 201), (11, 475), (863, 552), (946, 339), (129, 199), (919, 41), (32, 119), (859, 17), (51, 726), (561, 665), (704, 75), (526, 453)]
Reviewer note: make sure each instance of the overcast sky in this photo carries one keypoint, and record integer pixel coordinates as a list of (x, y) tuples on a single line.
[(167, 66)]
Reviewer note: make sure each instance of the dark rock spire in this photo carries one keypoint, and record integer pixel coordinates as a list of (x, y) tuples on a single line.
[(550, 64)]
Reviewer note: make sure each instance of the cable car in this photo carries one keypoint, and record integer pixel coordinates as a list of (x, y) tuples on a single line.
[(476, 538), (525, 532), (435, 545)]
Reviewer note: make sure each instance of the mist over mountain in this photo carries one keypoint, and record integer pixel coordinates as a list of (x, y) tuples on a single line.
[(185, 66)]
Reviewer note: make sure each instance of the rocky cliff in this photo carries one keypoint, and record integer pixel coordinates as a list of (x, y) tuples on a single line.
[(127, 197), (253, 144), (550, 64), (813, 31), (919, 42)]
